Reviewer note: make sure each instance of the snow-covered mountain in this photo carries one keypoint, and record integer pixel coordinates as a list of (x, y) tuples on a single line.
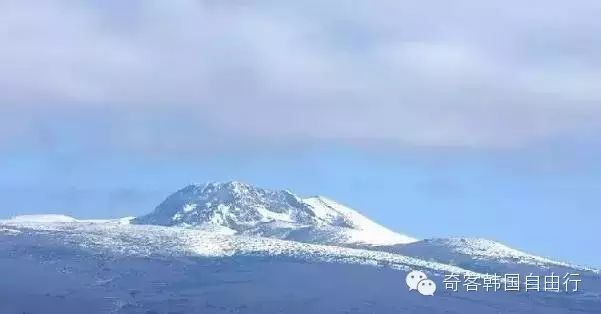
[(69, 266), (234, 248), (238, 208)]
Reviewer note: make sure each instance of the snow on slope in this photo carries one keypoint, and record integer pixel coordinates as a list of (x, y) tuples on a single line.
[(476, 254), (74, 268), (363, 230), (53, 218), (488, 249), (241, 208), (146, 240), (43, 218)]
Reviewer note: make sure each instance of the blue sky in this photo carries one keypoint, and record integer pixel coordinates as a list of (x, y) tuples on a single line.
[(435, 119), (543, 201)]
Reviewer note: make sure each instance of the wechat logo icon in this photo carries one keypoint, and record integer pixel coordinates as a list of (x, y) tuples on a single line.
[(417, 280)]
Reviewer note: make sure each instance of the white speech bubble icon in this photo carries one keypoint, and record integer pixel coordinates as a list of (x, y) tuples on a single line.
[(413, 278), (426, 287)]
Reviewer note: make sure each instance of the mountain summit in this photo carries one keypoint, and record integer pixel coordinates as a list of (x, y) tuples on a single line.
[(209, 245), (239, 208)]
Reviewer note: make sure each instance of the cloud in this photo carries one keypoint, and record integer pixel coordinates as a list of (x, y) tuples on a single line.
[(163, 75)]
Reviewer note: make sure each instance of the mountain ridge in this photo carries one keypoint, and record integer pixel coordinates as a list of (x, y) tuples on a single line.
[(312, 254), (245, 209)]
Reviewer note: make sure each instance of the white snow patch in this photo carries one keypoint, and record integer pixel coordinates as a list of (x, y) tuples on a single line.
[(43, 218), (176, 217), (268, 215), (363, 229), (8, 231), (189, 207)]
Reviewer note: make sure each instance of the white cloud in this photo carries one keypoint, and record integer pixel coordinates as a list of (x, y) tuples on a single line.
[(452, 74)]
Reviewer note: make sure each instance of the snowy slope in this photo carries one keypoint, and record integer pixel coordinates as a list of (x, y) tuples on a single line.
[(235, 207), (482, 255), (146, 240), (43, 218), (53, 218), (234, 248), (110, 267)]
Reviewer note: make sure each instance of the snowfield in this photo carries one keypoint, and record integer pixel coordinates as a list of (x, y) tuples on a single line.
[(143, 241), (234, 248), (110, 267)]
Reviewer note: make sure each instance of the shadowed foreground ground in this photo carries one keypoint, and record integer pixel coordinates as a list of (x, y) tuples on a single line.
[(42, 276)]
